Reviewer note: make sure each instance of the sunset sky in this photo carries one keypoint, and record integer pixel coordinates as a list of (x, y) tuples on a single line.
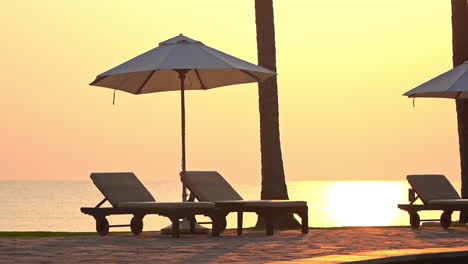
[(342, 69)]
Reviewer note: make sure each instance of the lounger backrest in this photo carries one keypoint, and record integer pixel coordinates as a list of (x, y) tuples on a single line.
[(432, 187), (209, 186), (120, 187)]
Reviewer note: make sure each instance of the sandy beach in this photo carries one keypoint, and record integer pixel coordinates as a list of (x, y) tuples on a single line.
[(252, 247)]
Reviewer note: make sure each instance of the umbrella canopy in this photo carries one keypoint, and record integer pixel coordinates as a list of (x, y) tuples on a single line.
[(156, 70), (180, 63), (451, 84)]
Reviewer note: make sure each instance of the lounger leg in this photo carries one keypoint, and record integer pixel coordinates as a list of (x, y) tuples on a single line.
[(175, 227), (268, 218), (192, 224), (217, 220), (240, 218), (304, 214), (215, 227), (222, 221), (136, 224), (415, 220), (102, 225), (446, 219)]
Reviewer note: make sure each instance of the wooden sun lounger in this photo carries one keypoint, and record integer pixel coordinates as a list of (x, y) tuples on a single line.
[(436, 193), (212, 187), (128, 195)]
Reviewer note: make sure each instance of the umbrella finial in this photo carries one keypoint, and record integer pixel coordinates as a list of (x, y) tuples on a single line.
[(180, 39)]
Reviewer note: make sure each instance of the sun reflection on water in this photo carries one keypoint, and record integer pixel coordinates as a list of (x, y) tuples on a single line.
[(362, 202), (353, 203)]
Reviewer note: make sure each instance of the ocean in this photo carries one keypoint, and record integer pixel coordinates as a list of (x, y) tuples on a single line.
[(55, 205)]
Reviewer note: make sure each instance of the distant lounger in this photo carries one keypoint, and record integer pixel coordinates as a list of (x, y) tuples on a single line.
[(436, 193), (212, 187), (128, 195)]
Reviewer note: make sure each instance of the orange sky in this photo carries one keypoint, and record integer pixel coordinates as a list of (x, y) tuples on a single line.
[(342, 67)]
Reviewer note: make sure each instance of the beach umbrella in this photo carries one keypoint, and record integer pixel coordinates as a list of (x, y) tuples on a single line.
[(451, 84), (180, 63)]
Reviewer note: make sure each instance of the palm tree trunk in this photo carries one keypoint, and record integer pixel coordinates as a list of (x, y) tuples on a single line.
[(273, 179), (460, 55)]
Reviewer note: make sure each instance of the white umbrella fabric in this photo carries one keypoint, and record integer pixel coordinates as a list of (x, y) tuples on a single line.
[(180, 63), (451, 84)]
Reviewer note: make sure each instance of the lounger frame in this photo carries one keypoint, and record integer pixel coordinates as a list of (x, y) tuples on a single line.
[(136, 224), (267, 213), (413, 209), (445, 218), (233, 202)]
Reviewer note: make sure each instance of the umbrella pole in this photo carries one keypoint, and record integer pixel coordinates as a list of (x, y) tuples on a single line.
[(182, 105), (186, 223)]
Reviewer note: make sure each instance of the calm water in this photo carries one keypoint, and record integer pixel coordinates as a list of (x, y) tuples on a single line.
[(55, 205)]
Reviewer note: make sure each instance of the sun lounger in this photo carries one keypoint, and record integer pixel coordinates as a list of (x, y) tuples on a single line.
[(128, 195), (436, 193), (212, 187)]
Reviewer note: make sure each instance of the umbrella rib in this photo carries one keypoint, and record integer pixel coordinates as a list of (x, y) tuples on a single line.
[(207, 50), (145, 82), (216, 53), (98, 79), (210, 51), (251, 75), (199, 79)]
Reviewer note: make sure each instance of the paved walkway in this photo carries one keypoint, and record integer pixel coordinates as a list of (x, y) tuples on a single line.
[(327, 245), (378, 256)]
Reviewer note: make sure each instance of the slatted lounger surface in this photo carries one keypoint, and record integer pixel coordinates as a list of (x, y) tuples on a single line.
[(212, 187), (436, 193), (128, 195)]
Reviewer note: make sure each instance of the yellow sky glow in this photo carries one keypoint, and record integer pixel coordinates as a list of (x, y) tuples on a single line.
[(342, 65)]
